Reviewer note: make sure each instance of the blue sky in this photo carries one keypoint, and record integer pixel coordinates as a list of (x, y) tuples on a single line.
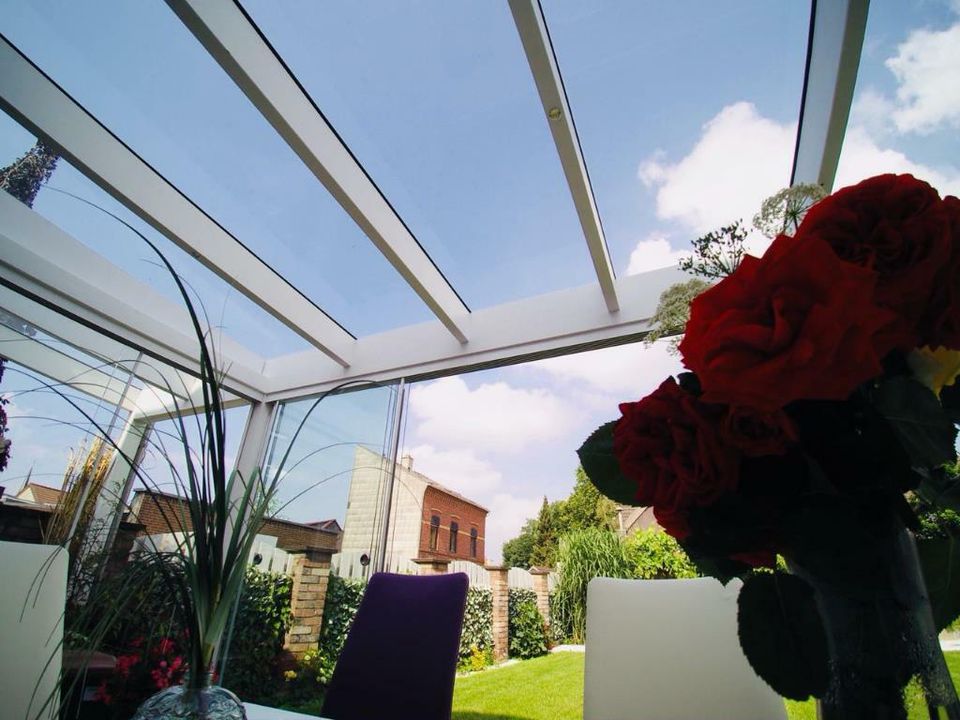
[(687, 116)]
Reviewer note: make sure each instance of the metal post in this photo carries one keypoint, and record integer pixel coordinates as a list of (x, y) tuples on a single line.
[(380, 559)]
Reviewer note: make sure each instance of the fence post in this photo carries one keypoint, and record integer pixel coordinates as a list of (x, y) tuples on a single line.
[(311, 573), (542, 588), (432, 565), (501, 611)]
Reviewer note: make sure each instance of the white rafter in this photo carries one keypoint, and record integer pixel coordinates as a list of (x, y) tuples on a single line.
[(65, 371), (95, 343), (552, 324), (39, 260), (47, 111), (234, 42), (528, 17), (833, 62)]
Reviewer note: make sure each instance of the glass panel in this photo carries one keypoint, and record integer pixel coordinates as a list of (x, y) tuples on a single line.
[(906, 107), (687, 113), (229, 311), (330, 457), (437, 101), (141, 72)]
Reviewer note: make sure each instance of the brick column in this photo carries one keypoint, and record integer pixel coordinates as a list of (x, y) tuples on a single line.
[(311, 572), (432, 566), (542, 589), (501, 611)]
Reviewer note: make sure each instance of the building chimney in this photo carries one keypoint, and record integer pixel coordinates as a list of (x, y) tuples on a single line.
[(406, 462)]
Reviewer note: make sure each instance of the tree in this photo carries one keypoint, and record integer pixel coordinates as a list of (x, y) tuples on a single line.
[(24, 176), (585, 508), (516, 552), (544, 551)]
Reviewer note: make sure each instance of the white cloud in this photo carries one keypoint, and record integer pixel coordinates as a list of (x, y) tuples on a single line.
[(653, 253), (494, 417), (627, 371), (507, 515), (872, 111), (862, 157), (740, 159), (459, 470), (927, 66)]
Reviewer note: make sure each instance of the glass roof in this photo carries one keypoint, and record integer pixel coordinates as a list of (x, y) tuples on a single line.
[(906, 108), (661, 94), (233, 313), (141, 73), (437, 102)]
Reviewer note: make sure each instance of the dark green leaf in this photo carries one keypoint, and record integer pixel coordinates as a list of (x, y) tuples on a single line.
[(601, 466), (941, 489), (915, 414), (782, 635), (940, 560)]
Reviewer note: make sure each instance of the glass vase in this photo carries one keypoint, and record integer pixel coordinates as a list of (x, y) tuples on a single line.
[(211, 702), (882, 638)]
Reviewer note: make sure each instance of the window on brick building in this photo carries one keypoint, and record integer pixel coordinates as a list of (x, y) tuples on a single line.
[(454, 530), (473, 542), (434, 531)]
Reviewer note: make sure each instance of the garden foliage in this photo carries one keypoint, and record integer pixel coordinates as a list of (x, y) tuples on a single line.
[(476, 639), (527, 632), (262, 621), (342, 603)]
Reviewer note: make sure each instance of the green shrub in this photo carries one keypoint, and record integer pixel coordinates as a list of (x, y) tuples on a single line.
[(582, 556), (343, 600), (262, 620), (477, 623), (654, 555), (527, 633)]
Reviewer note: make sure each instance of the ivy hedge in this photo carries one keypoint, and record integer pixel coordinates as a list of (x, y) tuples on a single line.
[(262, 620), (528, 635)]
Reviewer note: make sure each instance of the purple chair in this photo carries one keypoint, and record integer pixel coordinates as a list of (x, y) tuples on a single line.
[(400, 657)]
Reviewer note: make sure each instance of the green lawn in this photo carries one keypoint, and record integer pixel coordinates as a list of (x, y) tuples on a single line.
[(551, 688)]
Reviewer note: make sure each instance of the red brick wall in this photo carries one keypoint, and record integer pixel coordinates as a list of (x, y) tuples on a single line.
[(448, 509), (162, 514)]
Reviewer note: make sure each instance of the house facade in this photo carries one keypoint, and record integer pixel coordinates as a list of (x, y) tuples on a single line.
[(427, 520), (160, 513)]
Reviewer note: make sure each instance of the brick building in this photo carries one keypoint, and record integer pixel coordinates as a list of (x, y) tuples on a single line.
[(161, 513), (426, 519)]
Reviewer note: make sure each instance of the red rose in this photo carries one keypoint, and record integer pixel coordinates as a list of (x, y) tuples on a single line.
[(669, 444), (756, 433), (896, 226), (941, 325), (797, 323)]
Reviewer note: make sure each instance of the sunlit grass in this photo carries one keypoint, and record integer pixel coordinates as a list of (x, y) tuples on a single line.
[(551, 688)]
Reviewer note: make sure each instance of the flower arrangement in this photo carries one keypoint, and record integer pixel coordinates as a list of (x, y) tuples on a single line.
[(819, 393)]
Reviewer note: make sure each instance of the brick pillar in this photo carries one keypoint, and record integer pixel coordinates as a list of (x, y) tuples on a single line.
[(311, 572), (432, 566), (542, 589), (501, 611)]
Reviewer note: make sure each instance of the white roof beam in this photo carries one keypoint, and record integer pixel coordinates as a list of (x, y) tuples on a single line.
[(547, 325), (95, 343), (39, 104), (63, 369), (833, 59), (528, 17), (236, 43), (42, 262)]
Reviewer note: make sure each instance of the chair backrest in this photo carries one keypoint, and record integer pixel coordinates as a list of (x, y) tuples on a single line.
[(400, 657), (31, 615), (668, 650)]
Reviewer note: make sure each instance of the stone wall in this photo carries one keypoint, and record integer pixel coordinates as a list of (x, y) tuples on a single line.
[(311, 574)]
